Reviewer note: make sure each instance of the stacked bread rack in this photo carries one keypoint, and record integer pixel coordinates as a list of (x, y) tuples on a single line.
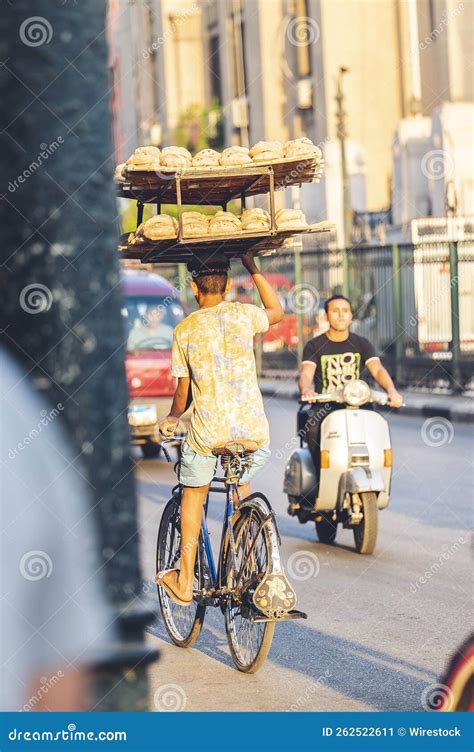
[(172, 176)]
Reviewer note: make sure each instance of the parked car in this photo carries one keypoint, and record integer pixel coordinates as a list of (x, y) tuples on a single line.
[(281, 336), (152, 309)]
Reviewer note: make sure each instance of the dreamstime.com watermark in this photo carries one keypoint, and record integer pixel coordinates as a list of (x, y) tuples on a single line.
[(437, 565), (312, 420), (430, 305), (173, 297), (309, 692), (437, 697), (36, 565), (36, 298), (71, 734), (436, 432), (175, 23), (439, 28), (46, 419), (170, 698), (36, 31), (46, 151), (302, 31), (437, 164), (303, 298), (303, 565), (45, 686)]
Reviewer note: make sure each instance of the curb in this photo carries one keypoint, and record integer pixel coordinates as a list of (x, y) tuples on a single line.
[(457, 413)]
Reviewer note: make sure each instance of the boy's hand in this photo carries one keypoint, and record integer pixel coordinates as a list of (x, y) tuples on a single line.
[(167, 427), (395, 398), (309, 395), (249, 262)]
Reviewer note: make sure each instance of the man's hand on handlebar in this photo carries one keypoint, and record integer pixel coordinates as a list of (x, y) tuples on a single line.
[(395, 399), (168, 426), (309, 395)]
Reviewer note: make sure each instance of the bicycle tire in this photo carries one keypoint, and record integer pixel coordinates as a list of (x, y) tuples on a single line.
[(183, 623), (250, 519)]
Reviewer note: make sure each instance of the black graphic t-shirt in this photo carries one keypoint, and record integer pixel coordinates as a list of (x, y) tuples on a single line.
[(337, 362)]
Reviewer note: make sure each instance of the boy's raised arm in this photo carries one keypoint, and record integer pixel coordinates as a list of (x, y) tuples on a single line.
[(268, 296)]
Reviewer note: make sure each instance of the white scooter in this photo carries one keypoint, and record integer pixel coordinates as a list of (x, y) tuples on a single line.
[(356, 468)]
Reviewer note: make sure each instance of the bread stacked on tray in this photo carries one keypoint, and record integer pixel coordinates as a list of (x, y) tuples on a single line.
[(197, 225), (177, 157), (235, 156), (119, 177), (255, 220), (159, 227), (144, 158), (224, 223), (206, 158), (150, 158), (267, 151), (290, 219), (300, 148)]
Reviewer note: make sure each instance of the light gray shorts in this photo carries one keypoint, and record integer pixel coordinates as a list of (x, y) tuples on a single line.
[(198, 470)]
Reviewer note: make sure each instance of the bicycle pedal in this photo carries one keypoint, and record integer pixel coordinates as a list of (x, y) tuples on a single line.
[(274, 596)]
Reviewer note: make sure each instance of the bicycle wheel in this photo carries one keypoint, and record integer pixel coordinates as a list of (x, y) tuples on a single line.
[(249, 641), (183, 623)]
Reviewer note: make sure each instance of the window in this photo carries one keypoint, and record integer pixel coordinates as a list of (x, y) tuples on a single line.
[(150, 322), (214, 67)]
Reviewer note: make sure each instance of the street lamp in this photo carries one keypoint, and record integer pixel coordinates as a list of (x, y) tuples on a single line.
[(341, 118)]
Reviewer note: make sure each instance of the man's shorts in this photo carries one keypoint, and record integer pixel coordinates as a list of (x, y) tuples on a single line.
[(198, 470)]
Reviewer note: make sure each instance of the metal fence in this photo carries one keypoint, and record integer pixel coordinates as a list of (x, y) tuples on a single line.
[(414, 303)]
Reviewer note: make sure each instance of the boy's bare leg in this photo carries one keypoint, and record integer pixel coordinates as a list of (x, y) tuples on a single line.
[(191, 517)]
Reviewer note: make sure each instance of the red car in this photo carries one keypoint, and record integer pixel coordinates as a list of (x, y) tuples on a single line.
[(151, 310), (283, 335)]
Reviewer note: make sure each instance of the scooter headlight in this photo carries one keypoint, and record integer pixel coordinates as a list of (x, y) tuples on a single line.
[(356, 393)]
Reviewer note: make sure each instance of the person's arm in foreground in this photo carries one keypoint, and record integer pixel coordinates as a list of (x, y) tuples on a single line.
[(306, 380), (268, 296), (181, 402), (382, 377)]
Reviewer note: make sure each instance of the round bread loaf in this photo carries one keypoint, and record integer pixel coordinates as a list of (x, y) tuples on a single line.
[(206, 158), (266, 146)]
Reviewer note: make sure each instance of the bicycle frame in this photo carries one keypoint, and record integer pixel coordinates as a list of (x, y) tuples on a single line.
[(229, 490)]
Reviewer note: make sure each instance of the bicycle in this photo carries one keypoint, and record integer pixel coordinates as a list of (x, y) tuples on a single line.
[(248, 583)]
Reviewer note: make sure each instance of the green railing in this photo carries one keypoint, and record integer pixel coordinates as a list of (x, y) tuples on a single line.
[(414, 302)]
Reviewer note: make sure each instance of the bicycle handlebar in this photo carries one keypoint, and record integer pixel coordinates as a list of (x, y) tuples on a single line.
[(378, 398)]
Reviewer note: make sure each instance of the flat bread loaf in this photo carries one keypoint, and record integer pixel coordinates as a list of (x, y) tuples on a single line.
[(206, 158), (224, 223), (235, 155), (287, 219), (158, 227)]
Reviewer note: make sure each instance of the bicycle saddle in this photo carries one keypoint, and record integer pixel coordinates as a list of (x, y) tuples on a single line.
[(237, 447)]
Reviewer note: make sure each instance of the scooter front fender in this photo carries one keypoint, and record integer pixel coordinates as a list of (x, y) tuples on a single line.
[(361, 480)]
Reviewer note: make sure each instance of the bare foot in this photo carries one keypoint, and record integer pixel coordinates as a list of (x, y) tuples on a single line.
[(170, 581)]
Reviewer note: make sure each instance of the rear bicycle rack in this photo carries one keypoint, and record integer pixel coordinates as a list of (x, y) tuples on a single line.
[(287, 616)]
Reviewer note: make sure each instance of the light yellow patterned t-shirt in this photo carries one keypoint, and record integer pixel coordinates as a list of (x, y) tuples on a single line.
[(214, 346)]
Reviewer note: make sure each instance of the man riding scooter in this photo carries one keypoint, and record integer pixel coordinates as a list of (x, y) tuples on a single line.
[(331, 362)]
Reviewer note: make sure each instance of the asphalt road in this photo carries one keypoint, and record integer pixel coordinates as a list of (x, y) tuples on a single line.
[(380, 628)]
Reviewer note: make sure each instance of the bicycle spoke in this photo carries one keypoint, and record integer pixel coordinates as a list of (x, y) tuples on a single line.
[(251, 554)]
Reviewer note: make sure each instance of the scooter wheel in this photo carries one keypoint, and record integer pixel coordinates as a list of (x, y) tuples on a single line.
[(365, 533)]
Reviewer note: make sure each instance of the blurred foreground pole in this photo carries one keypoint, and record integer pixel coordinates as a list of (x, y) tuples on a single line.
[(61, 293)]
